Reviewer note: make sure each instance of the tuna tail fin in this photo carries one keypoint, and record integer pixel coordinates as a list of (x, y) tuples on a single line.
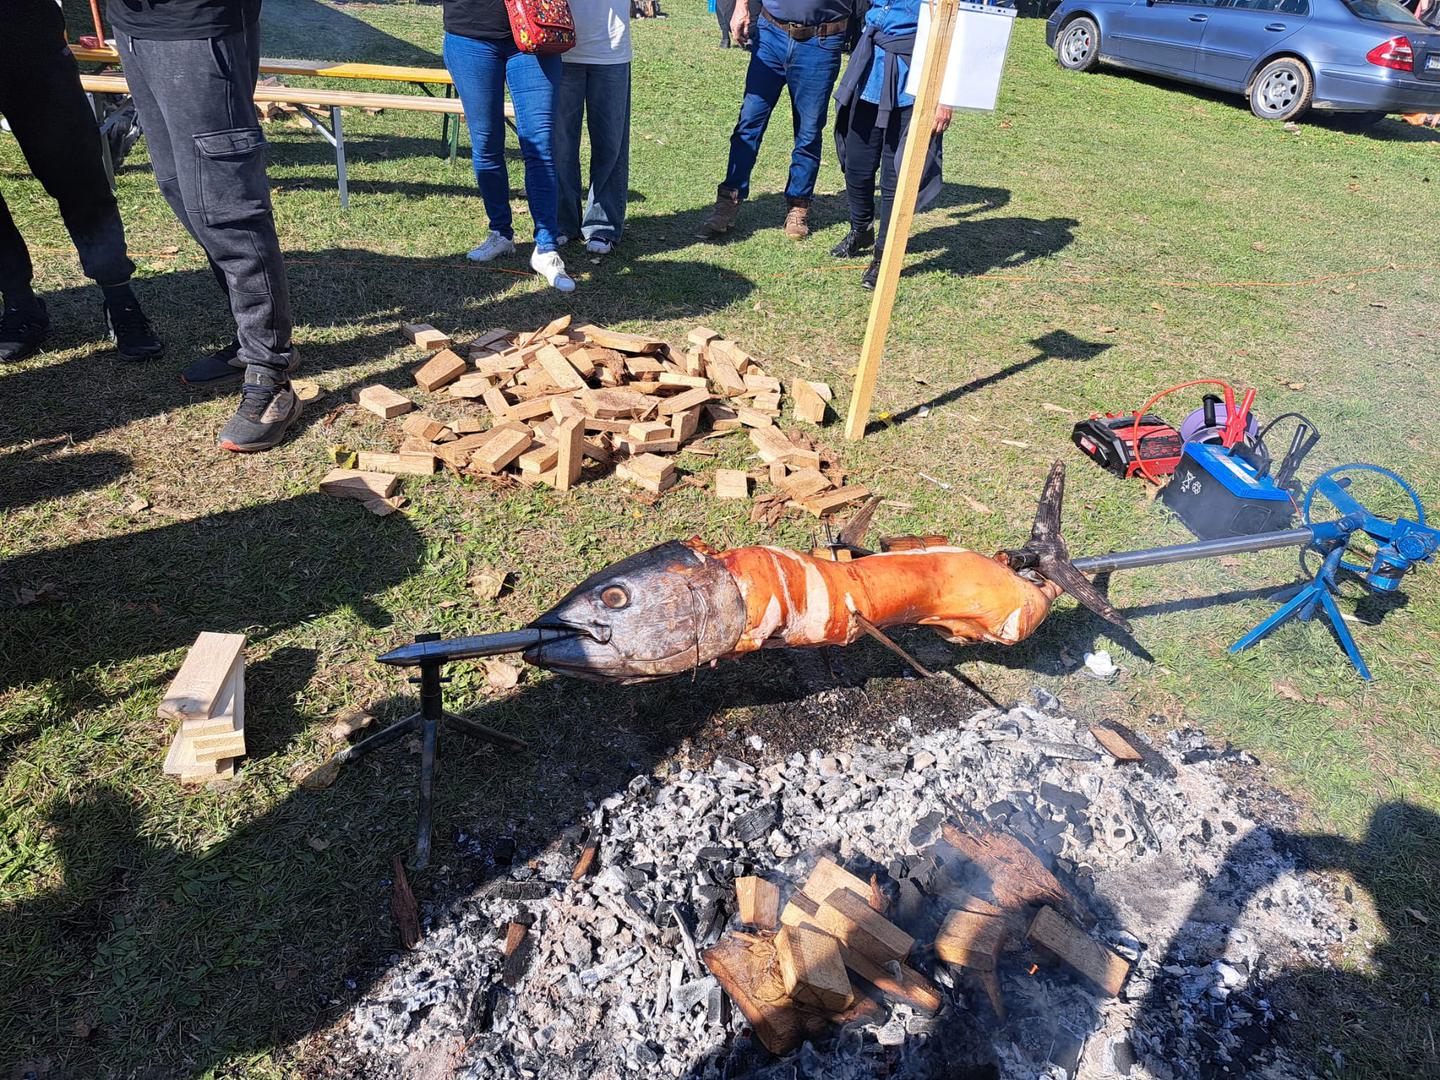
[(1045, 552)]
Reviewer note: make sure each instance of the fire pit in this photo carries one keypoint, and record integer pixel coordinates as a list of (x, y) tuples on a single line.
[(1003, 897)]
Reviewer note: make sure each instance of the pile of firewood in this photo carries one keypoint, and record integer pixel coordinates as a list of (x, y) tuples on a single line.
[(550, 405), (826, 954)]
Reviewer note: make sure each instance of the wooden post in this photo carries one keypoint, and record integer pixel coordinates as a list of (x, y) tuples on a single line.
[(902, 212)]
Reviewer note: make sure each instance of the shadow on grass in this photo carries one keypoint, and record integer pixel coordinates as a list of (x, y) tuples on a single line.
[(1056, 345), (349, 305), (149, 953), (1378, 1023), (263, 569)]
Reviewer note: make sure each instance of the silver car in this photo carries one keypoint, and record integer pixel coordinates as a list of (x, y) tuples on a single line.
[(1370, 57)]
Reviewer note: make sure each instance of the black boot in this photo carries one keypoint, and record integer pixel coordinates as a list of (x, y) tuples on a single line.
[(23, 328), (872, 272), (856, 240)]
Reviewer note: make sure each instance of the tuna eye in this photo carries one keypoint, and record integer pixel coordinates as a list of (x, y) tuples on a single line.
[(614, 597)]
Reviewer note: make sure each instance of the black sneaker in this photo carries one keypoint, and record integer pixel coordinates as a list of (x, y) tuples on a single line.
[(856, 241), (22, 332), (225, 368), (220, 368), (266, 412), (872, 273), (135, 339)]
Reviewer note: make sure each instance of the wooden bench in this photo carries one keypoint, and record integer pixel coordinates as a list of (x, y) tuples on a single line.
[(303, 99)]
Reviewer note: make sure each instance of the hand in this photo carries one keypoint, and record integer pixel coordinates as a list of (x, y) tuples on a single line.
[(942, 118), (740, 23)]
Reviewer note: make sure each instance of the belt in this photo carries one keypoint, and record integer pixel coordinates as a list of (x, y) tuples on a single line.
[(803, 32)]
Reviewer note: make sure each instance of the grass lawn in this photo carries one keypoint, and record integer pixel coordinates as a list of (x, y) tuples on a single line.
[(1100, 237)]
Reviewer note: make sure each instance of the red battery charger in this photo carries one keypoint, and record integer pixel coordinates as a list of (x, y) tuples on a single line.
[(1113, 443)]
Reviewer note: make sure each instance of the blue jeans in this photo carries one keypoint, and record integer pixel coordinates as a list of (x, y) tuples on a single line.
[(808, 69), (599, 94), (481, 70)]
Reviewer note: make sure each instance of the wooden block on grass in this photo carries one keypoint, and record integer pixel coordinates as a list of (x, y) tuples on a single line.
[(824, 502), (404, 463), (471, 386), (970, 939), (758, 901), (539, 460), (681, 402), (204, 677), (803, 483), (760, 384), (772, 445), (423, 427), (809, 405), (649, 471), (851, 919), (570, 439), (561, 373), (722, 372), (426, 336), (732, 484), (811, 969), (685, 424), (499, 451), (357, 484), (625, 343), (1058, 935), (384, 402), (701, 336), (440, 370)]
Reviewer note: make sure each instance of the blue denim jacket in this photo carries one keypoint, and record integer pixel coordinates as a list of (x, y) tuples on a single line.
[(895, 18)]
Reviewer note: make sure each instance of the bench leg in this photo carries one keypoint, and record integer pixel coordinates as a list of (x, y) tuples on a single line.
[(452, 129), (338, 132)]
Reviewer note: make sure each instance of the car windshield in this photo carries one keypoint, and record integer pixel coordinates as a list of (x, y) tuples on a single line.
[(1386, 11)]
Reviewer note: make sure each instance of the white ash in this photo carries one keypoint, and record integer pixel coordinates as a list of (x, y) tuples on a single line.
[(614, 987)]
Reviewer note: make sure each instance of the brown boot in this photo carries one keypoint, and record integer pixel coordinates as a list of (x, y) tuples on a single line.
[(797, 221), (722, 218)]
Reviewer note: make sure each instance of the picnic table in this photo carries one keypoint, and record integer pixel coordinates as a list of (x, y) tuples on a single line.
[(302, 98)]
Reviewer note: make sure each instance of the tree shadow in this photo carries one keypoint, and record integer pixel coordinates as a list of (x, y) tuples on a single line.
[(183, 958), (310, 30), (1350, 1023), (259, 570)]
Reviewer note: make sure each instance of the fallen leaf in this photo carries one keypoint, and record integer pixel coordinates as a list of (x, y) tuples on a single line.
[(975, 504), (342, 456), (1417, 916), (1259, 247), (137, 506), (1288, 692), (1293, 128), (403, 908), (317, 843), (488, 582), (321, 777), (501, 674), (1108, 330), (1051, 407), (304, 389), (46, 592), (1016, 442), (350, 721)]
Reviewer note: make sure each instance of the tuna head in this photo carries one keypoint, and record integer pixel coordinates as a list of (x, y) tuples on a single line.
[(662, 612)]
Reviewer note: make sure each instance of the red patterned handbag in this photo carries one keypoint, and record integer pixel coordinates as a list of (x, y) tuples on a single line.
[(544, 27)]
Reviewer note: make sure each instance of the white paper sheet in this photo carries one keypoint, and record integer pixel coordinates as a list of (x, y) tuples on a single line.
[(977, 56)]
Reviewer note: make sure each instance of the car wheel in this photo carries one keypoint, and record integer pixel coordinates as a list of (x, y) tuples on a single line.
[(1282, 90), (1078, 46)]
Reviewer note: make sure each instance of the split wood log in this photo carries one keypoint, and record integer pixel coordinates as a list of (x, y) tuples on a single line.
[(851, 919), (1059, 936), (383, 402), (811, 969), (758, 901), (440, 370)]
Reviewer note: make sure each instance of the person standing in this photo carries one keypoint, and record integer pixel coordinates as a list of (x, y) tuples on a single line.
[(483, 59), (595, 88), (872, 118), (798, 47), (191, 66), (41, 98)]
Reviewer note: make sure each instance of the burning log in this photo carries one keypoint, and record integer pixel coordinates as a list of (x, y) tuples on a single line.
[(812, 970), (861, 928), (1017, 876), (758, 901), (1058, 935)]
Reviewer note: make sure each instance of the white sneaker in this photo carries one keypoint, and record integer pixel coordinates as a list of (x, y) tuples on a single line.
[(599, 245), (494, 246), (551, 267)]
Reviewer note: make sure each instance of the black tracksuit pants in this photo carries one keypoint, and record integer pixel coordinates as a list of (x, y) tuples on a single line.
[(50, 116), (870, 149), (196, 107)]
